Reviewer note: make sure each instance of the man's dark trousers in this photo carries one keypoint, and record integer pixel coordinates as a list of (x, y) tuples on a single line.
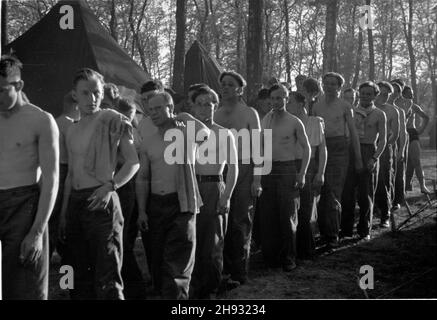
[(364, 183), (399, 190), (94, 240), (329, 208), (132, 277), (307, 215), (239, 231), (279, 205), (210, 234), (385, 177), (173, 245), (54, 243), (18, 208)]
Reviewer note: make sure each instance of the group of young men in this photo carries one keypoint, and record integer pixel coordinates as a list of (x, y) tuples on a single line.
[(188, 181)]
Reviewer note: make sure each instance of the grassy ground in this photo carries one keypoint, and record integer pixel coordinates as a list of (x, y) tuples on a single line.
[(404, 262)]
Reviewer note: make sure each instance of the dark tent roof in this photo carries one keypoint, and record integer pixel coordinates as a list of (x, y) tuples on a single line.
[(51, 56), (201, 67)]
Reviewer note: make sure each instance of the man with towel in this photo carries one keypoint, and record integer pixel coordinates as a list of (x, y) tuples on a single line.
[(167, 195), (91, 213)]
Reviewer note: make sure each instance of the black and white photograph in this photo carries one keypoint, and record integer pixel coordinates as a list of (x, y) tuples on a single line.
[(226, 153)]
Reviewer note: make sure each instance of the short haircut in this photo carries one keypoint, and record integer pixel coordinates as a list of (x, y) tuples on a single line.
[(350, 90), (10, 66), (298, 97), (300, 77), (370, 84), (238, 77), (111, 91), (167, 97), (311, 85), (152, 85), (215, 95), (400, 82), (87, 74), (263, 94), (68, 102), (201, 91), (396, 85), (197, 86), (277, 87), (406, 88), (125, 105), (387, 85), (339, 77)]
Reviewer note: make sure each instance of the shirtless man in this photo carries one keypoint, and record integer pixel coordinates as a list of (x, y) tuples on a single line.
[(91, 217), (413, 163), (400, 150), (110, 96), (234, 114), (28, 148), (299, 79), (263, 105), (371, 123), (337, 115), (386, 173), (212, 220), (350, 95), (70, 115), (279, 202), (310, 193), (167, 205)]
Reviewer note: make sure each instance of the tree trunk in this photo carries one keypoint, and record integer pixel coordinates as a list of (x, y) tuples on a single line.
[(383, 58), (408, 31), (358, 59), (371, 49), (113, 21), (135, 38), (179, 59), (216, 33), (390, 44), (4, 25), (330, 35), (287, 43), (268, 47), (239, 35), (349, 54), (254, 48)]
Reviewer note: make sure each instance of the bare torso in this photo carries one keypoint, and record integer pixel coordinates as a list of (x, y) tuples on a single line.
[(217, 156), (334, 115), (19, 160), (284, 137), (78, 139), (64, 123), (392, 116), (240, 117), (371, 127), (163, 175)]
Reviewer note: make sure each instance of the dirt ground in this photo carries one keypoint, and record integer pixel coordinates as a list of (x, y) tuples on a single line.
[(404, 262)]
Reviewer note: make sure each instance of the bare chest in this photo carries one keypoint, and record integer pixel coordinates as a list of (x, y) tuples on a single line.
[(79, 138), (235, 120), (17, 136)]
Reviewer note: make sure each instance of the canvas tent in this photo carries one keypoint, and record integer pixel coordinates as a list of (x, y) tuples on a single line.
[(201, 67), (52, 55)]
